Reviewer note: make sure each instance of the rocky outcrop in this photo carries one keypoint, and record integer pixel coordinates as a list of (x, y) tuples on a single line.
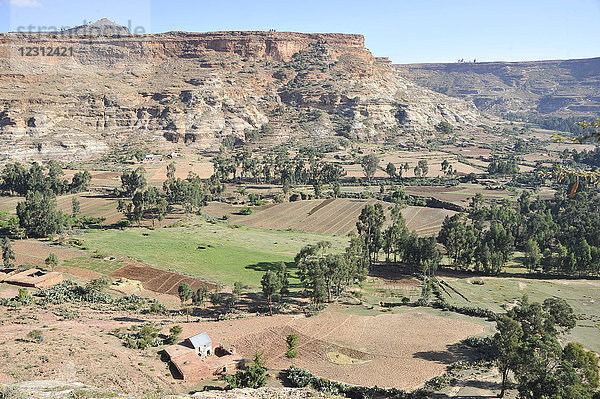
[(193, 89), (54, 389), (554, 88)]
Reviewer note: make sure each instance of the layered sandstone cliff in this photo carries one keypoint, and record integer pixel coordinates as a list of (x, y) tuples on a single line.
[(559, 88), (195, 88)]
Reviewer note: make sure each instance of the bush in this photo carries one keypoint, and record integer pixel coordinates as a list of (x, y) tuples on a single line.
[(35, 336), (174, 333), (292, 344), (246, 211), (303, 378), (255, 376), (138, 337)]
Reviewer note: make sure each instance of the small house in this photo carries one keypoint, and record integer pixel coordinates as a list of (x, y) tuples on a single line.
[(153, 158), (195, 358), (34, 278), (202, 344)]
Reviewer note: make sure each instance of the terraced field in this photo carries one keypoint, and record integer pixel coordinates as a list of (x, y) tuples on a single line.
[(331, 216)]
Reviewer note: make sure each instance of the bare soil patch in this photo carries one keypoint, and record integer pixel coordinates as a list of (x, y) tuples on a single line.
[(78, 349), (388, 350)]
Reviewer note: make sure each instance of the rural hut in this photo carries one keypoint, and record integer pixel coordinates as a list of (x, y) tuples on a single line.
[(202, 344)]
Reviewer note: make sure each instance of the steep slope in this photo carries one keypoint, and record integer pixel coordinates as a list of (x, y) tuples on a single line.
[(550, 88), (196, 88)]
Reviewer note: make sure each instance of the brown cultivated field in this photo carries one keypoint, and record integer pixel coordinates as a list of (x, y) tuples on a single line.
[(100, 178), (326, 216), (387, 350), (434, 161), (460, 195), (157, 173), (91, 204), (78, 347), (155, 279)]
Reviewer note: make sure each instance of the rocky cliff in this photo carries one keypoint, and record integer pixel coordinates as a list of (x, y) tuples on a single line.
[(552, 88), (195, 88)]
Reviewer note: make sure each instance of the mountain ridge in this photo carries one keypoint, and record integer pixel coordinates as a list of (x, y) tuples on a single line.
[(194, 89), (551, 88)]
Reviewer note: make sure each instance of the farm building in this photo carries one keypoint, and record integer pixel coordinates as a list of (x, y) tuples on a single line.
[(35, 278), (202, 344), (195, 359), (153, 158)]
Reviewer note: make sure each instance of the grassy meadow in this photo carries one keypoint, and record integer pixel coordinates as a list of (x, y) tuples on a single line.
[(213, 252)]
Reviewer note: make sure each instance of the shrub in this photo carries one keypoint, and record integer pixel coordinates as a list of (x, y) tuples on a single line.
[(255, 376), (35, 336), (246, 211), (174, 333), (303, 378), (292, 344), (138, 337)]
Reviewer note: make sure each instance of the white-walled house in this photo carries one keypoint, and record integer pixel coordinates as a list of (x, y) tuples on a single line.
[(202, 344)]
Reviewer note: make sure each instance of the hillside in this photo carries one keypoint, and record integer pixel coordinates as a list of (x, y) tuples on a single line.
[(561, 88), (193, 89)]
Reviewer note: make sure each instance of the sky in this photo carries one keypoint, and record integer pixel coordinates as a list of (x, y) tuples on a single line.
[(407, 31)]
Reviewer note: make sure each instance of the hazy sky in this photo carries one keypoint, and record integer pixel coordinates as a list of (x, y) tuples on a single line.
[(404, 30)]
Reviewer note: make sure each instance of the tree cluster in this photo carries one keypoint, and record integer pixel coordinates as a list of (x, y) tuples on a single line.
[(18, 179), (395, 239), (503, 167), (561, 235), (528, 345)]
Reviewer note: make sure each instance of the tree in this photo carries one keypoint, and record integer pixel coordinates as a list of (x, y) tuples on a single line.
[(508, 340), (369, 164), (391, 170), (171, 168), (75, 207), (97, 285), (533, 255), (8, 255), (51, 261), (200, 295), (283, 276), (38, 215), (423, 167), (527, 344), (270, 286), (253, 377), (445, 127), (185, 293), (445, 165), (174, 333), (369, 224), (80, 182), (292, 344), (132, 181)]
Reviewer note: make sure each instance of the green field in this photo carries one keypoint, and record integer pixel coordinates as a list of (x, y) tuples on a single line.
[(213, 252), (582, 295), (97, 265)]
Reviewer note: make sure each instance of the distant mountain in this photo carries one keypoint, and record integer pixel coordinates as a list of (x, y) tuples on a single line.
[(561, 88), (102, 27)]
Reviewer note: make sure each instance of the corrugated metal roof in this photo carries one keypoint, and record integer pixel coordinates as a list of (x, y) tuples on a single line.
[(200, 340)]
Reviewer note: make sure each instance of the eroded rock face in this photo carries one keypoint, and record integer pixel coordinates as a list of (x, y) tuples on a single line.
[(547, 88), (193, 89)]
